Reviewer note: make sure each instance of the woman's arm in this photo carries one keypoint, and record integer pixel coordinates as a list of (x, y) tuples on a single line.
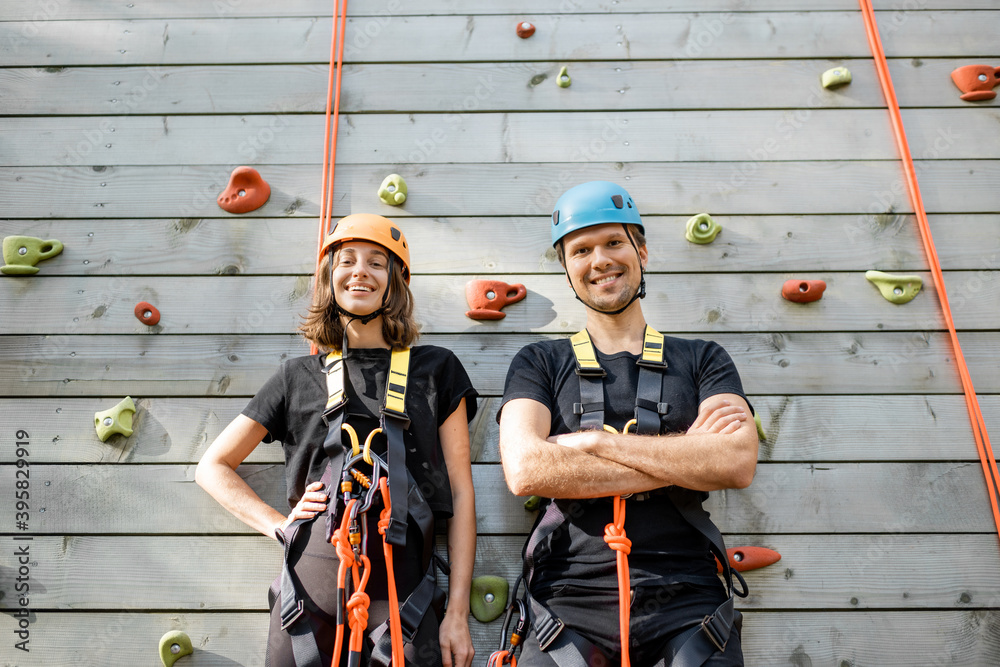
[(216, 473), (456, 642)]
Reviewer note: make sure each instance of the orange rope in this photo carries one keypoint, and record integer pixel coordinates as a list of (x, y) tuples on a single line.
[(357, 605), (332, 124), (614, 535), (395, 628), (979, 431)]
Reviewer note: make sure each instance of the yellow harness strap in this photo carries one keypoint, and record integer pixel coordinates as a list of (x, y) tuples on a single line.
[(395, 390)]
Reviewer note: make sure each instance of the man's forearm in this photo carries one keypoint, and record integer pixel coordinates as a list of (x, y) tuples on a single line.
[(699, 461), (553, 471)]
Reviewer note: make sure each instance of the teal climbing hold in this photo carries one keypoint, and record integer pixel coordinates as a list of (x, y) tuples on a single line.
[(21, 253), (838, 76), (393, 190), (895, 288), (115, 420), (488, 597), (173, 646), (702, 229)]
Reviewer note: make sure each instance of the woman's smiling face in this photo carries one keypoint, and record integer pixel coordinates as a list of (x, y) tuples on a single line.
[(360, 276)]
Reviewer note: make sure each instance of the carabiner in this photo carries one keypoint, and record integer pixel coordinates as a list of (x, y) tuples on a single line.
[(368, 445), (355, 448)]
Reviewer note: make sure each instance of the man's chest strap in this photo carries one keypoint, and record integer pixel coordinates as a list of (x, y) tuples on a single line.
[(649, 407)]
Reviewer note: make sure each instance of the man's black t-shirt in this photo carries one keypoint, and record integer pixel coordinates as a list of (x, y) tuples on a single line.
[(290, 406), (665, 548)]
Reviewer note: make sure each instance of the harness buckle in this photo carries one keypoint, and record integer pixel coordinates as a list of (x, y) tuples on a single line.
[(714, 628), (395, 414), (591, 372), (547, 630), (290, 619)]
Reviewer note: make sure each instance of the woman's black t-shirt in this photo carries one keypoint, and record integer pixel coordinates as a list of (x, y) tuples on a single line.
[(665, 548), (290, 406)]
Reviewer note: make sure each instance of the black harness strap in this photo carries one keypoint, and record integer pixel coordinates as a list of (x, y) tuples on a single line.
[(394, 422), (591, 405)]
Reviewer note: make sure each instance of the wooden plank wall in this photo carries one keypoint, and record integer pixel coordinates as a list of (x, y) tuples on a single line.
[(122, 121)]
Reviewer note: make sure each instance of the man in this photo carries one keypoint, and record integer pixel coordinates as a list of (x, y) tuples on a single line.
[(696, 435)]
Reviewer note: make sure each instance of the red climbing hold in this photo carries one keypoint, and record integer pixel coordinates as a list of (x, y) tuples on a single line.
[(742, 559), (525, 30), (147, 313), (247, 191), (803, 291), (487, 297), (976, 82)]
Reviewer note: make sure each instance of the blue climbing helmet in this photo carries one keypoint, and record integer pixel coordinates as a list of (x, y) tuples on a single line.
[(593, 203), (598, 203)]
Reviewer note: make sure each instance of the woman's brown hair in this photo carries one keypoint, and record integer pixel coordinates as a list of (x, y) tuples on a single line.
[(323, 328)]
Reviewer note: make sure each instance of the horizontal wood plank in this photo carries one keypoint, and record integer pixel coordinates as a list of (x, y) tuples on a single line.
[(776, 363), (962, 638), (231, 246), (808, 188), (683, 136), (833, 572), (40, 10), (696, 303), (784, 498), (835, 34), (446, 87), (798, 428)]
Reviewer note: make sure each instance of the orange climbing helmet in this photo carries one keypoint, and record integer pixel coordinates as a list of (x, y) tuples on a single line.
[(373, 228)]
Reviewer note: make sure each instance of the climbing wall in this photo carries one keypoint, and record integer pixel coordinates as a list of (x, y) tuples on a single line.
[(123, 121)]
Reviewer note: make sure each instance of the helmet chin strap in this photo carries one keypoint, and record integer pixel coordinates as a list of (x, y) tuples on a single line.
[(364, 319), (639, 293)]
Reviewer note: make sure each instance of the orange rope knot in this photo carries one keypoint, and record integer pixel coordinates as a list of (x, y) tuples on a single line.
[(616, 539), (357, 607)]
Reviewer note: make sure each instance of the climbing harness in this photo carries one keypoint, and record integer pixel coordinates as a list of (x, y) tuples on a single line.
[(565, 646), (979, 432), (385, 479)]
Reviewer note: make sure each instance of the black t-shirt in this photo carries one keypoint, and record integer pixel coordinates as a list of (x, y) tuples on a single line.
[(290, 406), (665, 548)]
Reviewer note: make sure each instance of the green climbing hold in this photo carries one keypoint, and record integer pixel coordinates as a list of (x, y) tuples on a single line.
[(838, 76), (702, 229), (760, 427), (393, 190), (115, 420), (533, 503), (174, 645), (488, 597), (21, 253), (895, 288), (563, 79)]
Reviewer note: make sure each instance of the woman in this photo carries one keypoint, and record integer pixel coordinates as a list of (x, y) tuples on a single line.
[(362, 308)]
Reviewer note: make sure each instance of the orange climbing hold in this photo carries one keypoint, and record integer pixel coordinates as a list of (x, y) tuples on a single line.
[(976, 82), (147, 313), (247, 191), (525, 30), (743, 559), (803, 291), (487, 297)]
